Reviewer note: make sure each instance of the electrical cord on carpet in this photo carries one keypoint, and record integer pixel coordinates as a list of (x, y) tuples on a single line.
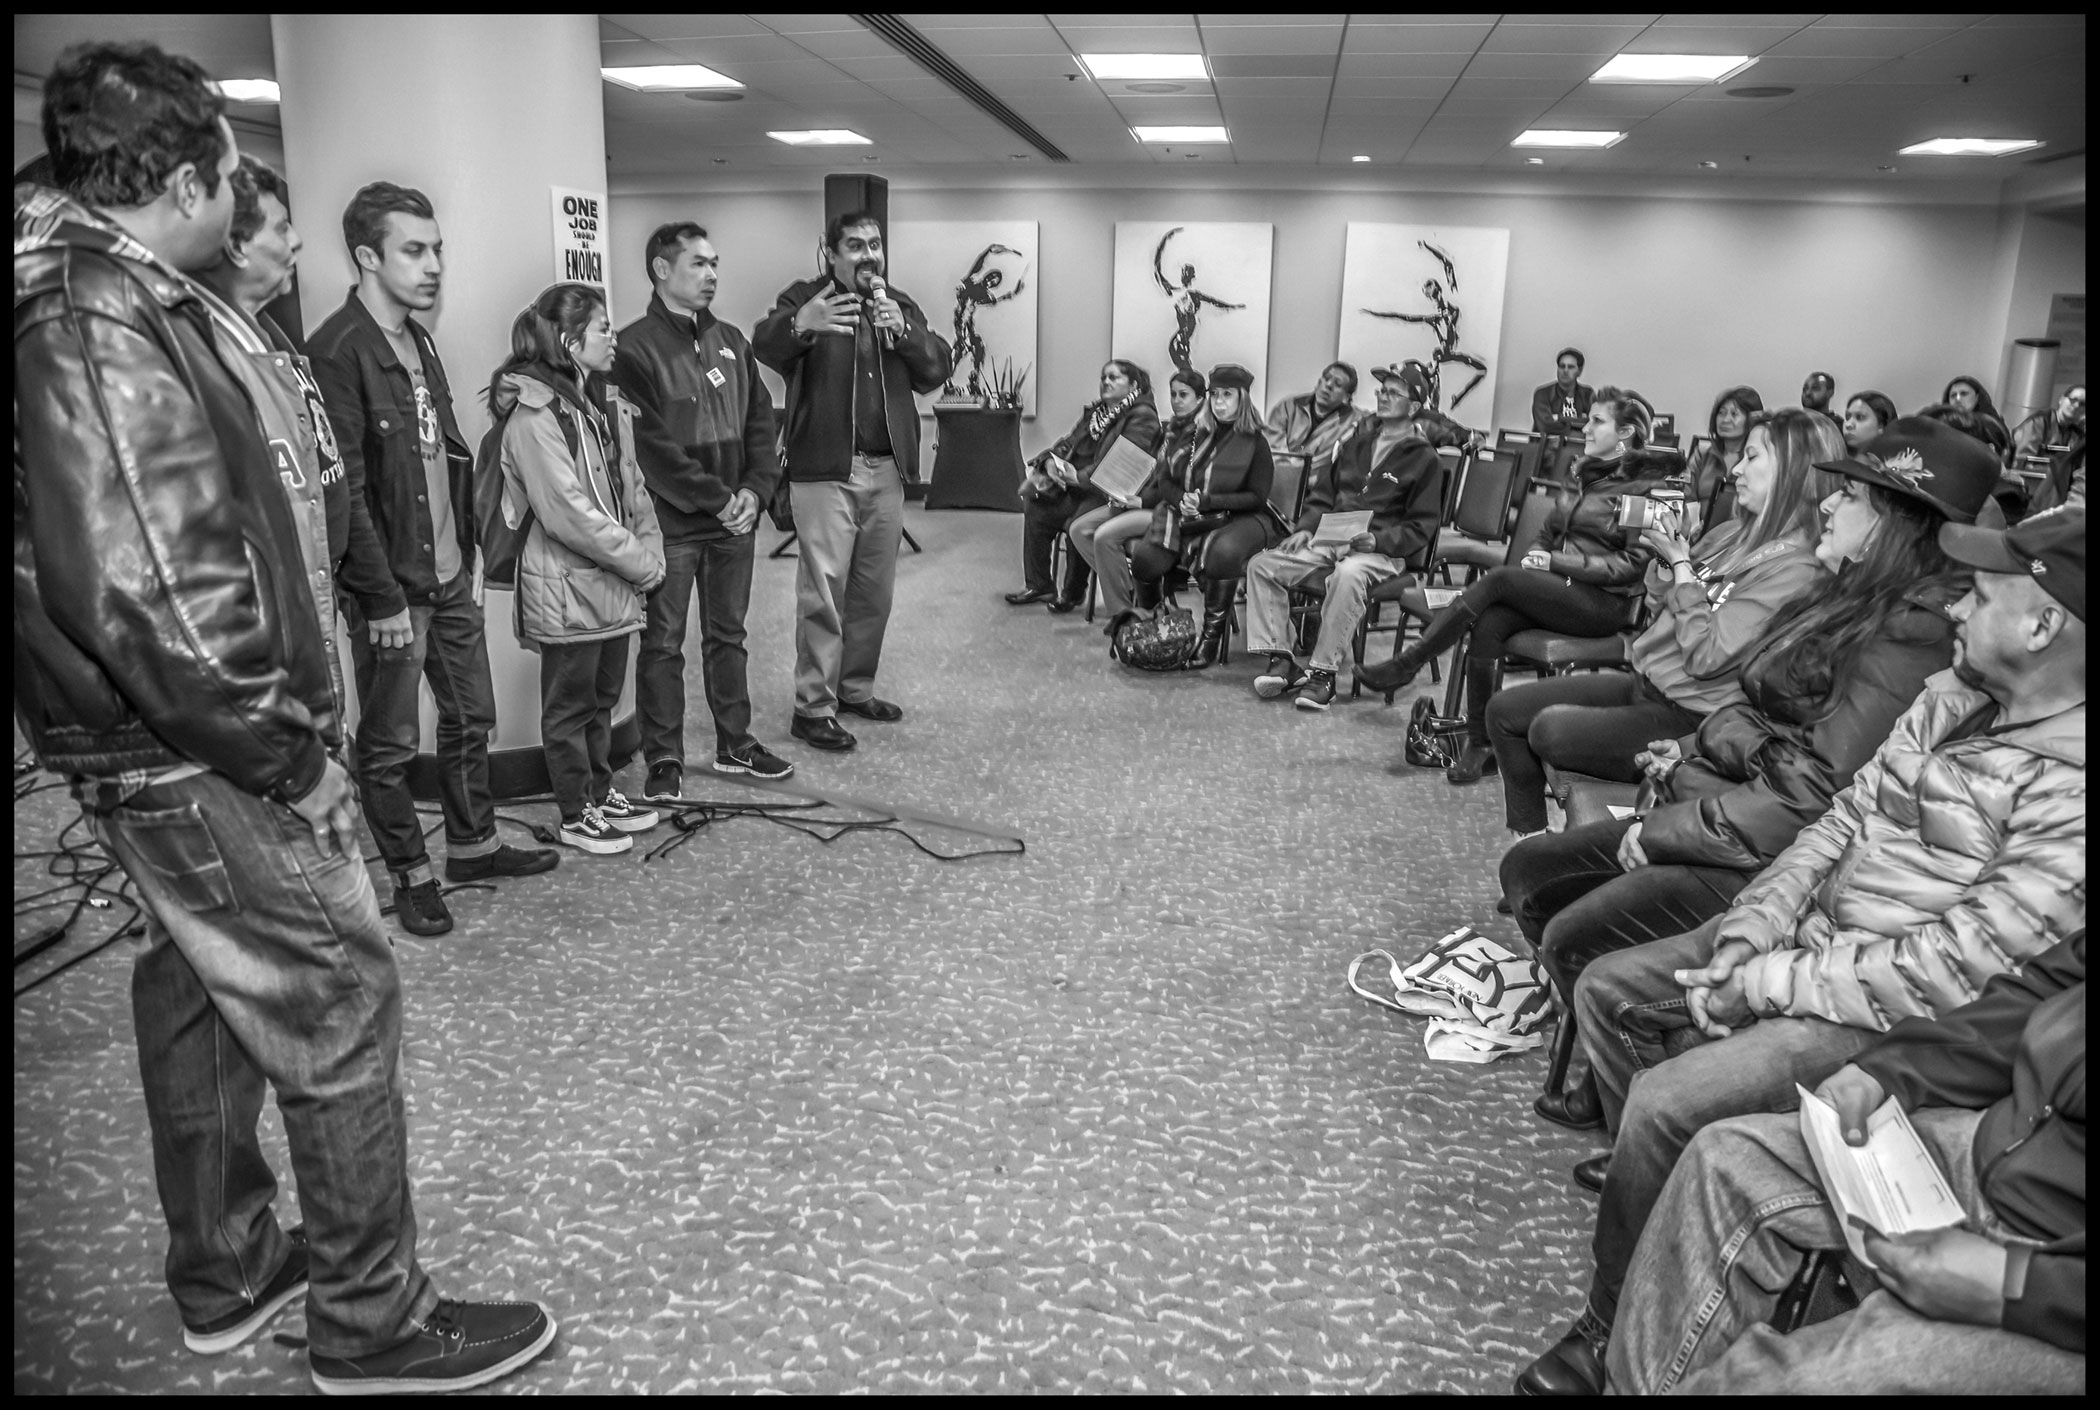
[(690, 818), (88, 879)]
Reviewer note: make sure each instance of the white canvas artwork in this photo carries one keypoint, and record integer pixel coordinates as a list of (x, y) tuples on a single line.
[(1193, 294), (1432, 293), (978, 282)]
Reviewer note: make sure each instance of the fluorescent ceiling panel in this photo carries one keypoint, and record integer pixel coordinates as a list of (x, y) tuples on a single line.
[(1671, 68), (1181, 134), (248, 90), (669, 78), (1549, 137), (1140, 66), (821, 137), (1969, 147)]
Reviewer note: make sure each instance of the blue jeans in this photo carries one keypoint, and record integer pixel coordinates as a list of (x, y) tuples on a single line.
[(721, 570), (268, 963), (1730, 1233), (1663, 1081), (450, 651)]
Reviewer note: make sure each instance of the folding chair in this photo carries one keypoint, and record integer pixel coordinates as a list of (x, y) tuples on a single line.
[(1480, 515)]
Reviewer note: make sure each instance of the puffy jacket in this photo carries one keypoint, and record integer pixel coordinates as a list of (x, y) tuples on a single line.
[(2017, 1052), (1295, 428), (1548, 409), (594, 537), (372, 403), (1231, 473), (819, 368), (1942, 865), (161, 611), (1699, 632), (703, 420), (1403, 491), (1758, 772), (1582, 535)]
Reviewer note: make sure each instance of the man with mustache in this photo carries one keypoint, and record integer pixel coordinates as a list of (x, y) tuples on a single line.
[(402, 452), (853, 350)]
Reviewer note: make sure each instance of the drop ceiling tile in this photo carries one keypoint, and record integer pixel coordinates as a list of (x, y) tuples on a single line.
[(1876, 21), (979, 19), (1279, 18), (1881, 41), (613, 53), (1133, 39), (783, 77), (1526, 88), (1348, 86), (2066, 19), (1446, 66), (1566, 66), (1780, 21), (1604, 40), (1795, 70), (1710, 39), (1000, 67), (1251, 92), (1272, 39), (1414, 38), (1594, 21), (967, 43), (855, 43), (810, 24), (702, 26), (1383, 107), (1175, 112), (890, 65)]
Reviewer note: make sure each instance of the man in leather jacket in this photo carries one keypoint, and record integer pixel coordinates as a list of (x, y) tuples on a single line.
[(169, 663)]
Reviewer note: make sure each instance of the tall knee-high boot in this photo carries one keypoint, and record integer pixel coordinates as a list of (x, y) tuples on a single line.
[(1146, 595), (1217, 616), (1444, 630)]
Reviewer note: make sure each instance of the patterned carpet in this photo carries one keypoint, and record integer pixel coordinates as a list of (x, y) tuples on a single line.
[(767, 1114)]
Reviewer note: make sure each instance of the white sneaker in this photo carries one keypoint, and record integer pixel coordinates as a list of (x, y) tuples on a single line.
[(592, 833), (624, 815)]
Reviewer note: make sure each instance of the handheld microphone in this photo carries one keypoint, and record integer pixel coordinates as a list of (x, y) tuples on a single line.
[(882, 291)]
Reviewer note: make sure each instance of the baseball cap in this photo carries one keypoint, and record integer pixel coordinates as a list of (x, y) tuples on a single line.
[(1409, 377), (1929, 461), (2048, 547)]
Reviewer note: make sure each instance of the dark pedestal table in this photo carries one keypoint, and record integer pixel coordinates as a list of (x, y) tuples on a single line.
[(978, 463)]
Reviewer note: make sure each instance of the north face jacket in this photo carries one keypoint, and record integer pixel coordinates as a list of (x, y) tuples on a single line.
[(1942, 865), (1403, 491)]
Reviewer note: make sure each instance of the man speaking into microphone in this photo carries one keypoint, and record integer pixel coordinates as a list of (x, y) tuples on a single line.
[(853, 350)]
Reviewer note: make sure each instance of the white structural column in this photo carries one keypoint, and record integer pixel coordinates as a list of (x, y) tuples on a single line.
[(484, 114)]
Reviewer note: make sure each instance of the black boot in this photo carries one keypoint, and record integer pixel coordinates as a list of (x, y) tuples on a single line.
[(1076, 578), (1217, 615), (1574, 1365), (1398, 673), (1146, 595)]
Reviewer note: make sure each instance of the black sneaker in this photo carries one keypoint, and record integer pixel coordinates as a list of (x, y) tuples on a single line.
[(662, 786), (1283, 676), (459, 1346), (755, 759), (624, 815), (594, 833), (420, 909), (1318, 691), (226, 1333), (504, 861)]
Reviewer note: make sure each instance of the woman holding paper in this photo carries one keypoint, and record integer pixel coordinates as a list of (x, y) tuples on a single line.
[(1102, 536), (1218, 506), (1057, 490)]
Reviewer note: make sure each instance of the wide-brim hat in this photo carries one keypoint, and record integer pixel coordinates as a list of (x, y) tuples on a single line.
[(2048, 547), (1927, 460), (1231, 374)]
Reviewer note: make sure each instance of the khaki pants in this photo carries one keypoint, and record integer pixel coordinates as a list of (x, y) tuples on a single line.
[(847, 533), (1271, 576), (1102, 536)]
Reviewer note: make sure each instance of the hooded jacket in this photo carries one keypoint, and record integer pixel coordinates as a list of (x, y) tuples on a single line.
[(819, 368), (1582, 535), (161, 612), (2018, 1053), (1759, 771), (1943, 864), (594, 537), (1699, 632), (1403, 491), (703, 420)]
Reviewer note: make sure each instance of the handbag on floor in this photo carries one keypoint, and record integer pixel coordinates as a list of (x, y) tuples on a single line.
[(1160, 641), (1482, 1000), (1433, 741)]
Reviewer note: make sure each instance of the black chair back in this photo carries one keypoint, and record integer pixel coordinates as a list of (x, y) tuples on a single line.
[(1483, 496), (1455, 463), (1699, 443), (1562, 460), (1531, 522)]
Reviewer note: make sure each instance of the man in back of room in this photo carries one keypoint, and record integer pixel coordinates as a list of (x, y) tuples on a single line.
[(1816, 392), (170, 664), (392, 407), (853, 351), (704, 437), (1561, 406)]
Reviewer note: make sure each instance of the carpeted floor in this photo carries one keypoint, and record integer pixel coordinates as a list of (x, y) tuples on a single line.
[(769, 1114)]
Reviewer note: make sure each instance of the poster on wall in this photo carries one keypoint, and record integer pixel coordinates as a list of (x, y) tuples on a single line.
[(1193, 294), (1431, 294), (978, 281), (579, 236)]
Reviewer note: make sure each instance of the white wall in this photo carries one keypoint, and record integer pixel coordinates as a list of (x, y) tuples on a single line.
[(1677, 297)]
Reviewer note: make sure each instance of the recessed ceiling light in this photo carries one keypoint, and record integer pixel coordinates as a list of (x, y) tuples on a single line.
[(1180, 134), (1107, 66), (1711, 166), (248, 90), (1156, 89), (821, 137), (1017, 156), (1534, 161), (668, 78), (1671, 68), (1359, 157), (1968, 147), (1552, 137)]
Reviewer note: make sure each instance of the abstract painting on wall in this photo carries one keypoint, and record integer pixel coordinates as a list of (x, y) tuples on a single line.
[(1192, 294), (978, 281), (1431, 294)]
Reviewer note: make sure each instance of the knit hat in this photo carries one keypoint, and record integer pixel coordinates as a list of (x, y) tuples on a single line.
[(1409, 376), (1929, 461), (1231, 374), (2048, 547)]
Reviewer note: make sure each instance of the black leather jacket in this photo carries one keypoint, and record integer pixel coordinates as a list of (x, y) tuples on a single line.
[(161, 612), (372, 403)]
